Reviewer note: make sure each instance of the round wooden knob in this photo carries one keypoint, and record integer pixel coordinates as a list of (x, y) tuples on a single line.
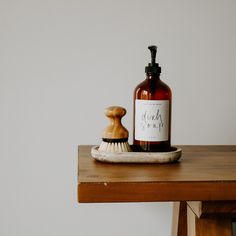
[(115, 111), (115, 130)]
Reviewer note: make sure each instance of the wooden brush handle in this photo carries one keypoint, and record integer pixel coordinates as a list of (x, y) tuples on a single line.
[(115, 130)]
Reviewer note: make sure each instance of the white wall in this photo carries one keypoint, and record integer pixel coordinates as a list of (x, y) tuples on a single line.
[(63, 62)]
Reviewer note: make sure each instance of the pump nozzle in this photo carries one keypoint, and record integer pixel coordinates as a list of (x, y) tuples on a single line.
[(153, 50), (153, 67)]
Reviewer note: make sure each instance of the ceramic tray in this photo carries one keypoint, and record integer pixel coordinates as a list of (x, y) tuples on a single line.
[(137, 157)]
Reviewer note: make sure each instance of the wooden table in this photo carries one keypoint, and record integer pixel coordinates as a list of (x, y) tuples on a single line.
[(202, 185)]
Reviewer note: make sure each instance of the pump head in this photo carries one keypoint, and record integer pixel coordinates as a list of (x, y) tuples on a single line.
[(153, 67)]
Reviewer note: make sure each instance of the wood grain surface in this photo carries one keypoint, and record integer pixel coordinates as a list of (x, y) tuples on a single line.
[(204, 173)]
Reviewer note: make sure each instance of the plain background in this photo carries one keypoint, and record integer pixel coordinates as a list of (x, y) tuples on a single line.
[(63, 62)]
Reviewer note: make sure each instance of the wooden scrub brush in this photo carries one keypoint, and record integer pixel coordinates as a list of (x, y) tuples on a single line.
[(115, 136)]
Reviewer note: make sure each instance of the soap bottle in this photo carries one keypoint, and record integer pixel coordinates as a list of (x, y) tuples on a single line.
[(152, 111)]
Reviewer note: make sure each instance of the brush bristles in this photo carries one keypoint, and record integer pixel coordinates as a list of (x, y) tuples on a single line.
[(114, 147)]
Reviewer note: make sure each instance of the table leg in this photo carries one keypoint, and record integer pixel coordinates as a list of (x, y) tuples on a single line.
[(179, 221)]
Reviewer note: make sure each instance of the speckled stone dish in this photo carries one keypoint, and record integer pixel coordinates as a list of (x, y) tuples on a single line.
[(137, 157)]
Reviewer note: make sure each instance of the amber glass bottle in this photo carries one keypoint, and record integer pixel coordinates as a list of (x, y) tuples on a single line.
[(152, 111)]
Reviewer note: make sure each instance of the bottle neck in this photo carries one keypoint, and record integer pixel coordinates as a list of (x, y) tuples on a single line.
[(153, 76)]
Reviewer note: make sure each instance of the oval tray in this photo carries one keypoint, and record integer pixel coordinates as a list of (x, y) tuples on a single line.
[(136, 157)]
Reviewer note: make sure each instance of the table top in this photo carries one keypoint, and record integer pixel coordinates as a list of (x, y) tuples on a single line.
[(203, 173)]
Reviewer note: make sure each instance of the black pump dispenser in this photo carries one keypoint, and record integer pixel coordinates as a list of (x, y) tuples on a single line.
[(153, 67)]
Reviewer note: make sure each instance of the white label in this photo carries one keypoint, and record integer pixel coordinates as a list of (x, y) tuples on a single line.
[(151, 120)]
